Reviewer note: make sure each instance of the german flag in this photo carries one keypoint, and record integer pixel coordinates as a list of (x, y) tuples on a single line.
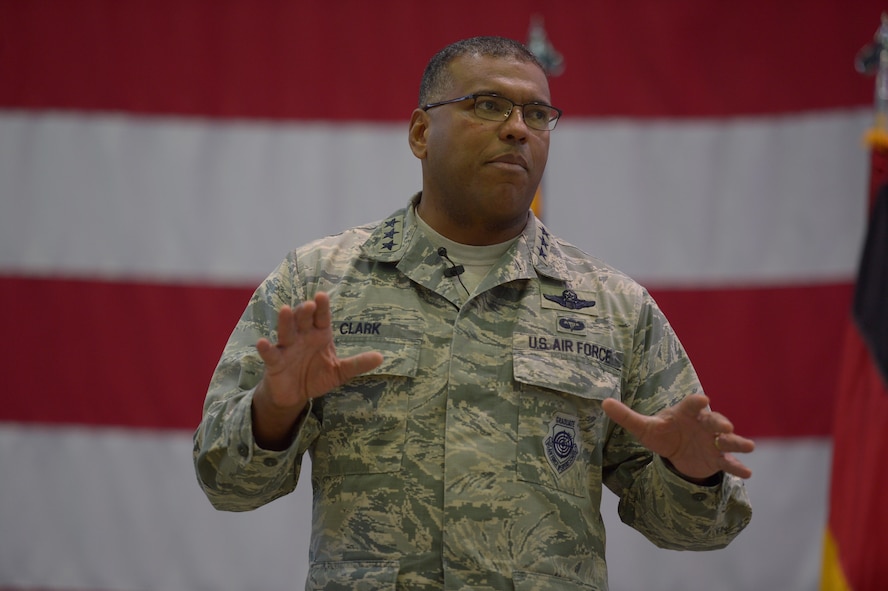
[(854, 546)]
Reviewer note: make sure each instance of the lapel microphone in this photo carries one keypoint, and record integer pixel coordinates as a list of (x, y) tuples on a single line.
[(454, 270)]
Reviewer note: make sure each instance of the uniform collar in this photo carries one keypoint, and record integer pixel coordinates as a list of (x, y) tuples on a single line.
[(399, 235)]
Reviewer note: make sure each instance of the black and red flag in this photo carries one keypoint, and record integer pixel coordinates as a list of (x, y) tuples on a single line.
[(854, 549)]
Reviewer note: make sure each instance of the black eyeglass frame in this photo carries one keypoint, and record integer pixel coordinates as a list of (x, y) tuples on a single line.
[(551, 123)]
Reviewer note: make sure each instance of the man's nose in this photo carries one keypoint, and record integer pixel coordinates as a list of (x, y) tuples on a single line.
[(514, 125)]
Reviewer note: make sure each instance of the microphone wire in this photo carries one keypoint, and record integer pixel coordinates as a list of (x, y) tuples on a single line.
[(454, 270)]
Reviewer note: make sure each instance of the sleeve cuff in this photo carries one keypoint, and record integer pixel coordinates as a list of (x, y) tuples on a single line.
[(671, 474), (243, 447)]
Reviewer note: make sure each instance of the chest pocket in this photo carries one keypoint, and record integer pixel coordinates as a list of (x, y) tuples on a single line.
[(560, 421), (364, 422)]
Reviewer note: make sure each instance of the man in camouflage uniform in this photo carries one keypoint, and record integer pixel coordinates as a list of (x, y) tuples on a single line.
[(462, 418)]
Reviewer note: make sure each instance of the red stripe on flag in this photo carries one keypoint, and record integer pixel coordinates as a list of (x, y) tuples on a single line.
[(340, 60), (142, 354), (111, 354), (767, 357)]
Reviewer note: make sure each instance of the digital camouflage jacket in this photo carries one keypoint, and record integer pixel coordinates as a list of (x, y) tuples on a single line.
[(474, 456)]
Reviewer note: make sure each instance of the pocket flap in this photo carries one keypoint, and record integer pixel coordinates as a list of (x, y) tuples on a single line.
[(573, 375), (400, 355), (357, 575), (527, 581)]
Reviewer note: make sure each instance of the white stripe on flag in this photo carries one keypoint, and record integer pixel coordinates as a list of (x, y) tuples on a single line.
[(726, 202), (689, 202), (184, 198), (121, 509)]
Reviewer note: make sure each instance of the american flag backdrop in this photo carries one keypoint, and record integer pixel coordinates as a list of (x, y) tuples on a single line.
[(158, 159)]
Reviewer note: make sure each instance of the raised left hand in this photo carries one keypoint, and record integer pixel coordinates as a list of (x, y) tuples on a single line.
[(698, 442)]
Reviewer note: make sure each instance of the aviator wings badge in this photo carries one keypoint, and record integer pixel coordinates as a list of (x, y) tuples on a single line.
[(570, 300)]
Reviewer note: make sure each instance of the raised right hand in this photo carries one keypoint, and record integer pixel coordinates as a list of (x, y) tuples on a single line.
[(301, 366)]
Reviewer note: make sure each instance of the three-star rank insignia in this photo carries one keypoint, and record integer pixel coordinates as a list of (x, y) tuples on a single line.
[(390, 234)]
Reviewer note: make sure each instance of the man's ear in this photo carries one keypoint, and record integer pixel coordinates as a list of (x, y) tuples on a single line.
[(418, 135)]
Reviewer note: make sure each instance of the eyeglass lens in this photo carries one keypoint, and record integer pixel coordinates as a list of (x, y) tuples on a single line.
[(497, 108)]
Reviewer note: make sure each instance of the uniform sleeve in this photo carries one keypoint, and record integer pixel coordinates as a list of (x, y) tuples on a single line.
[(235, 473), (667, 509)]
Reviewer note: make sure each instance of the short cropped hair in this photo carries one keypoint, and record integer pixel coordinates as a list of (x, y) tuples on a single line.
[(436, 77)]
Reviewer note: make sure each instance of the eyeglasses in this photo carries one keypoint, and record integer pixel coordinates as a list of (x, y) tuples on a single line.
[(492, 107)]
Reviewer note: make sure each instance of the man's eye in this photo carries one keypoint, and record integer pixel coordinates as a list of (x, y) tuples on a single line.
[(488, 105), (536, 114)]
